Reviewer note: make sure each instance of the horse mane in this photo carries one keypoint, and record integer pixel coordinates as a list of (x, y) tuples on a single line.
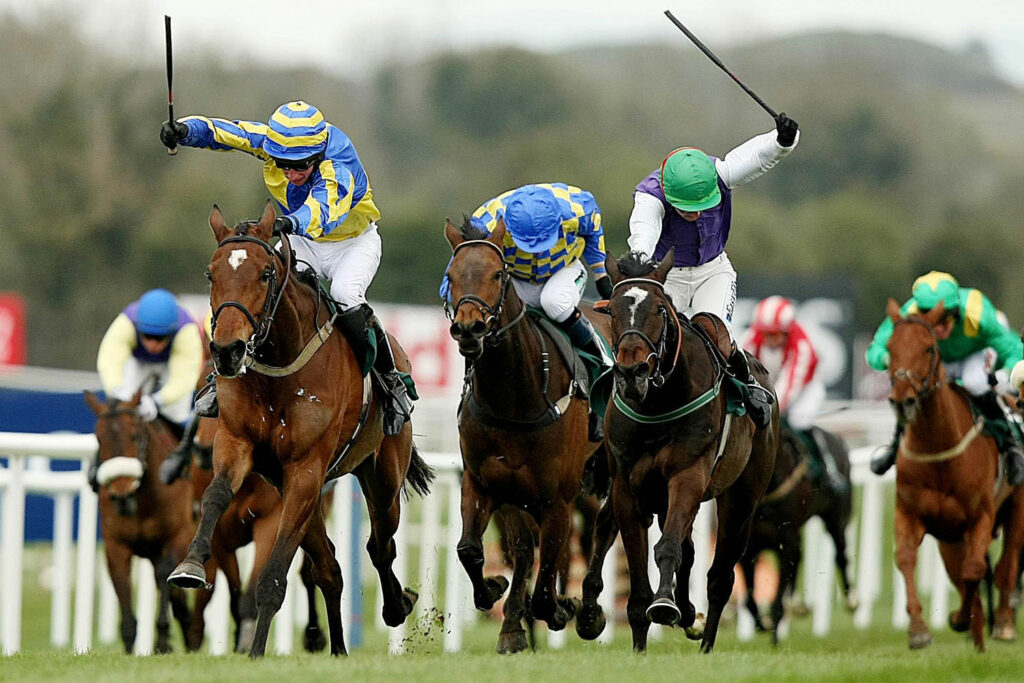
[(472, 232), (636, 264)]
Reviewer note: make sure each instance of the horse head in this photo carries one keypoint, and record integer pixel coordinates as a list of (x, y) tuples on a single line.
[(915, 364), (246, 284), (479, 281), (123, 441), (641, 312)]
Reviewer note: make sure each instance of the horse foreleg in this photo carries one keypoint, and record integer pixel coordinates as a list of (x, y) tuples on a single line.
[(747, 564), (684, 493), (300, 493), (967, 561), (520, 541), (590, 621), (119, 566), (197, 621), (790, 552), (327, 573), (313, 639), (264, 534), (1008, 569), (909, 532), (161, 570), (554, 539), (688, 619), (835, 523), (476, 513), (633, 530)]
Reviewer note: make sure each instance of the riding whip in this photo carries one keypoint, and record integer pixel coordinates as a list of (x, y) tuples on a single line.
[(696, 41), (170, 77)]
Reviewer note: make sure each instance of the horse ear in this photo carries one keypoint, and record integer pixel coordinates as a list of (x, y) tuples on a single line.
[(498, 236), (94, 402), (934, 316), (265, 227), (661, 272), (452, 234), (220, 228), (612, 267), (892, 310)]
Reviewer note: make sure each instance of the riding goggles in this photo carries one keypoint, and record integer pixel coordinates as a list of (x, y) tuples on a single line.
[(296, 165)]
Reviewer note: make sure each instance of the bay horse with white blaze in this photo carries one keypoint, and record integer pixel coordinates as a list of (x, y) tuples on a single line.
[(948, 482), (296, 409), (672, 443), (522, 433)]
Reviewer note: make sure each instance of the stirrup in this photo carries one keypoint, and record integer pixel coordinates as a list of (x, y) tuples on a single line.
[(881, 463), (176, 464), (206, 401)]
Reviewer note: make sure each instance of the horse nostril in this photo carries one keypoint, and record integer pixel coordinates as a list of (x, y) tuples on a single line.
[(455, 330), (478, 328)]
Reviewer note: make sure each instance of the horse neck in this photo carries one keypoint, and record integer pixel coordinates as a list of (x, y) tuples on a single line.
[(944, 416), (294, 324), (692, 375)]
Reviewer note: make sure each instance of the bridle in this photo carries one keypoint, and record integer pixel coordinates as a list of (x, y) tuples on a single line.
[(141, 438), (490, 314), (261, 326), (929, 383), (669, 319)]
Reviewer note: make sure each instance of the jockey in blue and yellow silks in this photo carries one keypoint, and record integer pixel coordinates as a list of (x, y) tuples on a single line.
[(313, 172), (552, 229)]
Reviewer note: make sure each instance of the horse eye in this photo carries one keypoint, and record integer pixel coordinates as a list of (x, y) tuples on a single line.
[(265, 276), (497, 276), (208, 275)]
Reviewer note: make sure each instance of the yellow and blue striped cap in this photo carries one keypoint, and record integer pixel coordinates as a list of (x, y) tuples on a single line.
[(297, 131)]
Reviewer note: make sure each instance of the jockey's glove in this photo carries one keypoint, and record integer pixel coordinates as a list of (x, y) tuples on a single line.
[(785, 128), (172, 132), (148, 409), (604, 287), (284, 225), (1017, 375)]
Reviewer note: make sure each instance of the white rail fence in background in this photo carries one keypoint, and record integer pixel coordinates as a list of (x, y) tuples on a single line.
[(77, 569)]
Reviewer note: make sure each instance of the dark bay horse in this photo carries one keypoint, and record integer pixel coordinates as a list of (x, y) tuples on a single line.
[(792, 498), (295, 408), (138, 514), (948, 483), (522, 433), (672, 444)]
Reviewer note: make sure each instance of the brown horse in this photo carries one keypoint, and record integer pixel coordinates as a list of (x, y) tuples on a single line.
[(671, 444), (793, 497), (948, 482), (138, 514), (296, 409), (522, 433)]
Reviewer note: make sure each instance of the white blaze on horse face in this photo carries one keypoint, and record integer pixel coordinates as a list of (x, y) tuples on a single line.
[(236, 258), (637, 295)]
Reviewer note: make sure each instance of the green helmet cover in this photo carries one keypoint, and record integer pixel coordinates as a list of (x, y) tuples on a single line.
[(934, 287), (689, 180)]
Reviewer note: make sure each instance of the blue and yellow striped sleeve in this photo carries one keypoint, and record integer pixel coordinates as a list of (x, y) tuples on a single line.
[(224, 135), (591, 230), (329, 203)]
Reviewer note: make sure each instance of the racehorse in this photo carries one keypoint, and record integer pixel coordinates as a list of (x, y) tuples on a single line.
[(296, 409), (793, 497), (671, 444), (138, 514), (948, 482), (522, 433)]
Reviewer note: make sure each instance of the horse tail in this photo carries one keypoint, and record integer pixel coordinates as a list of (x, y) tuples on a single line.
[(420, 475)]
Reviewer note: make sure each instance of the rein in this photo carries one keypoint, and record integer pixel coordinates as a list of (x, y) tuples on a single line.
[(490, 314), (949, 453)]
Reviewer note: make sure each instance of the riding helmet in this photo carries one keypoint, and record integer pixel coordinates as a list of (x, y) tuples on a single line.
[(934, 287), (774, 314), (157, 314), (297, 131), (689, 180), (533, 218)]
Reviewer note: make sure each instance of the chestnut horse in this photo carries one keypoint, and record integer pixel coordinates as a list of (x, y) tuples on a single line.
[(948, 483), (672, 444), (522, 433), (793, 498), (138, 514), (296, 409)]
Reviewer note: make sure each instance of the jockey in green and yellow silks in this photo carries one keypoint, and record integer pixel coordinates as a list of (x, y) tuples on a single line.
[(973, 343)]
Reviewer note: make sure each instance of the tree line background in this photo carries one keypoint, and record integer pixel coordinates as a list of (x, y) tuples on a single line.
[(911, 159)]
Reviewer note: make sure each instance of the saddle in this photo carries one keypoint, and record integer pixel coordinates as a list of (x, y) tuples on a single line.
[(715, 333)]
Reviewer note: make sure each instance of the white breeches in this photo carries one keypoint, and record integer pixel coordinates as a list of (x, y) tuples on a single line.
[(349, 264), (710, 288), (806, 406), (560, 295), (973, 373), (137, 374)]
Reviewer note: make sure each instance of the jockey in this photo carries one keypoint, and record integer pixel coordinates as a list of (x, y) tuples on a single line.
[(783, 347), (313, 172), (687, 204), (552, 230), (153, 338), (969, 335)]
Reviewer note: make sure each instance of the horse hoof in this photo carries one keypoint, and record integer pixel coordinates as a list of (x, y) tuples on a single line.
[(956, 625), (664, 611), (494, 588), (512, 642), (920, 640), (852, 601), (590, 622), (246, 634), (799, 609), (695, 631), (189, 574), (1005, 632), (314, 639)]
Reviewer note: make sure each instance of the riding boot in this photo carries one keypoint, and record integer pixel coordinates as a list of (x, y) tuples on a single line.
[(820, 450), (584, 337), (397, 404), (881, 463), (759, 400), (206, 400), (995, 407), (178, 460)]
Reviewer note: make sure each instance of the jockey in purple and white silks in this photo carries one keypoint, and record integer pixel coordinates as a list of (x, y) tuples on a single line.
[(687, 204), (323, 194)]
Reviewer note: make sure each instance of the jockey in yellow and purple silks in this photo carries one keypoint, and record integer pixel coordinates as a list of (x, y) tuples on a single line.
[(156, 339), (552, 229), (973, 343), (313, 172)]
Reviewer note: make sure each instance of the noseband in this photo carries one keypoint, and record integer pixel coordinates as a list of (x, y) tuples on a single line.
[(141, 436), (658, 376), (924, 386), (489, 313), (261, 326)]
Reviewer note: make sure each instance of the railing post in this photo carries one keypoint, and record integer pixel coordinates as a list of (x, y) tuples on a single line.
[(85, 575), (12, 553)]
